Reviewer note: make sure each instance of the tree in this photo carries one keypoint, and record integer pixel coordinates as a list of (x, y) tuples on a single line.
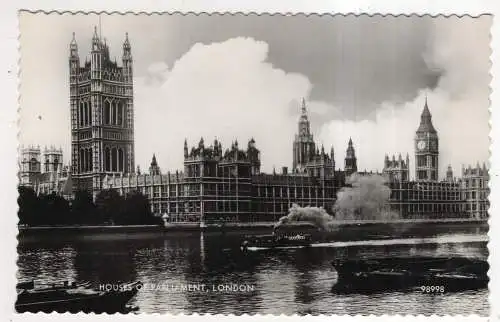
[(110, 205), (83, 209), (53, 210), (138, 210), (28, 206)]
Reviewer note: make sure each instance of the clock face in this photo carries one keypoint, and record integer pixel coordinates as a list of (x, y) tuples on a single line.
[(421, 145)]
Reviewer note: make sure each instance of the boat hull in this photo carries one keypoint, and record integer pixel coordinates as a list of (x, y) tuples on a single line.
[(436, 275), (272, 242), (60, 300)]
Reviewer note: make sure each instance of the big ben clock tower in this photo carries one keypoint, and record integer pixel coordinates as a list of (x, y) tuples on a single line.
[(426, 148)]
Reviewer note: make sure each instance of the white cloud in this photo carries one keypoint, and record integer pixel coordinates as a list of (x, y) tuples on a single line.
[(225, 90), (459, 106)]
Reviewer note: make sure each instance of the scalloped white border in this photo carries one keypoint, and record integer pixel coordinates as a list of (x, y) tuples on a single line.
[(8, 130)]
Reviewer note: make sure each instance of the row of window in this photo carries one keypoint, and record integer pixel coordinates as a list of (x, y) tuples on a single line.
[(423, 175), (427, 160), (473, 183), (113, 136), (427, 207), (177, 209), (114, 113), (114, 160), (397, 194), (85, 164)]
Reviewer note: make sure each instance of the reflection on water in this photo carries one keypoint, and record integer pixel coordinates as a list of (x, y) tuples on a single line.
[(280, 281)]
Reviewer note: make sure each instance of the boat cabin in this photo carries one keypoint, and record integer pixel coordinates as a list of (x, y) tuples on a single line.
[(291, 230)]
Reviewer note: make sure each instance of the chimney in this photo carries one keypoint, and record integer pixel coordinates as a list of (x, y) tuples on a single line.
[(285, 170)]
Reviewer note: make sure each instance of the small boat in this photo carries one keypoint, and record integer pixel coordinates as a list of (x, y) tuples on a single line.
[(272, 241), (72, 297), (444, 274), (295, 234)]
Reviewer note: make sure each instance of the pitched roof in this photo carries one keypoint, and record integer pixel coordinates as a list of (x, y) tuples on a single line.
[(426, 120)]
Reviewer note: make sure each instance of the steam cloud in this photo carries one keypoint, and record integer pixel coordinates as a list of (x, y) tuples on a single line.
[(316, 215), (366, 199)]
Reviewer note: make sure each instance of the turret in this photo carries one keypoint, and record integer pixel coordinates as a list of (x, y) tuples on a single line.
[(332, 157), (350, 159), (96, 43), (154, 169), (185, 148), (73, 48), (254, 157), (74, 65), (127, 60), (303, 146), (449, 174)]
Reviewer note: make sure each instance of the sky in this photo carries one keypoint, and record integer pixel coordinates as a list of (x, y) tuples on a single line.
[(238, 77)]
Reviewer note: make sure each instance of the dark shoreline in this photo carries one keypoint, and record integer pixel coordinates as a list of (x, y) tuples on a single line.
[(374, 229)]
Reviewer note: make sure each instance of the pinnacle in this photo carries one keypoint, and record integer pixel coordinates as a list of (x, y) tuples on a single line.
[(426, 120)]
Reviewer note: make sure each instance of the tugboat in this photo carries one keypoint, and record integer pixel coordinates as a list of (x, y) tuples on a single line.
[(72, 297), (436, 274), (286, 235)]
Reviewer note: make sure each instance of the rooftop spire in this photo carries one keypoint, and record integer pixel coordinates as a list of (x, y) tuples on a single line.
[(304, 109), (126, 43), (73, 47), (100, 28), (426, 120)]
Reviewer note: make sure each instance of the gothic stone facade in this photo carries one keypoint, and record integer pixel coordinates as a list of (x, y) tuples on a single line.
[(44, 171), (428, 197), (102, 114), (228, 186)]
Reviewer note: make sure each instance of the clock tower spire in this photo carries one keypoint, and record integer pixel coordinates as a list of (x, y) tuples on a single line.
[(303, 145), (426, 148)]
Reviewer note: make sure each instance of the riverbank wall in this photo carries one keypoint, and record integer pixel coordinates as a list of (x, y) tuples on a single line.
[(379, 228)]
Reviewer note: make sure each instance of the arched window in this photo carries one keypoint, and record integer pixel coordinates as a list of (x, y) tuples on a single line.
[(90, 160), (33, 164), (107, 161), (56, 164), (120, 160), (114, 160), (80, 116), (85, 160), (106, 112), (114, 113), (81, 165), (86, 114), (119, 114), (89, 113)]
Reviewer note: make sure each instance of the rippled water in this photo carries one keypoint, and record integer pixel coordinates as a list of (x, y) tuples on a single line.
[(285, 281)]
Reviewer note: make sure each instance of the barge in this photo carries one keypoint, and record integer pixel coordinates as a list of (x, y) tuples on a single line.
[(73, 298), (427, 274), (297, 234)]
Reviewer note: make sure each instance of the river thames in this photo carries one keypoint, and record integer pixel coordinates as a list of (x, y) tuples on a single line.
[(207, 273)]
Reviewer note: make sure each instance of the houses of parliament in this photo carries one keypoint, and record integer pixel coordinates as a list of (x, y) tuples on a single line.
[(220, 184)]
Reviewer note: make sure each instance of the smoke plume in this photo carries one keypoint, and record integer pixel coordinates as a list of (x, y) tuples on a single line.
[(315, 215), (365, 199)]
